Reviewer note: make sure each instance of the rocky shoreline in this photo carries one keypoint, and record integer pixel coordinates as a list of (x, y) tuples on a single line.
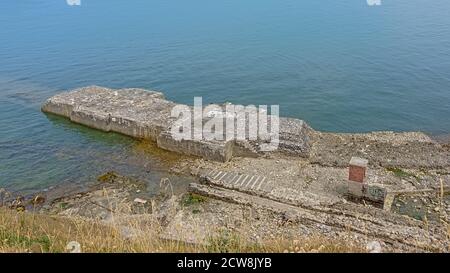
[(210, 210), (416, 222)]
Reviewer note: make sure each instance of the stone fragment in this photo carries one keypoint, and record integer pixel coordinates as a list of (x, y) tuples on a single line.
[(374, 247), (375, 192), (140, 201)]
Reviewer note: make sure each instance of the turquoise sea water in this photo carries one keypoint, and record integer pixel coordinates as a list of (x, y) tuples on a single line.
[(340, 65)]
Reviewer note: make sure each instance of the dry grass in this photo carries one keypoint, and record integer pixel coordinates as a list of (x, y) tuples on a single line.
[(31, 232)]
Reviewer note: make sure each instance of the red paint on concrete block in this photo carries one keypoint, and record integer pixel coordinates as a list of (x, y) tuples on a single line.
[(357, 169)]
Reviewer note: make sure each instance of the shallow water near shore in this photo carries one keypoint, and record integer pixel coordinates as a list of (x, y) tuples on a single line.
[(340, 65), (57, 152)]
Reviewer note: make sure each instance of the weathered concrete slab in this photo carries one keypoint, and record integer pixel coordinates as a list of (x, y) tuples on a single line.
[(96, 97), (213, 150), (295, 137), (146, 114), (134, 112)]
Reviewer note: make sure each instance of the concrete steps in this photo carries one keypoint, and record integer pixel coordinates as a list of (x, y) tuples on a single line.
[(262, 186)]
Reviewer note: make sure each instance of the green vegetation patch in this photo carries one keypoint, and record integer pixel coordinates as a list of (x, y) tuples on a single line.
[(128, 182), (225, 241), (192, 199), (63, 205), (108, 177), (401, 173), (13, 239)]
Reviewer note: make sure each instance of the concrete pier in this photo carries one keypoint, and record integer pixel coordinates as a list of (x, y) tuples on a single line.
[(134, 112), (147, 114)]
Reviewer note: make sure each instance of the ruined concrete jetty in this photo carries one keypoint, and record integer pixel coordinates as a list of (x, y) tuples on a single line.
[(146, 114)]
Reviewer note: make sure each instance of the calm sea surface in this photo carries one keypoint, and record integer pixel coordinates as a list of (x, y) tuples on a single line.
[(340, 65)]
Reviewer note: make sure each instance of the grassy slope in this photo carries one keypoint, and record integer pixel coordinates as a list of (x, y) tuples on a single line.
[(31, 232)]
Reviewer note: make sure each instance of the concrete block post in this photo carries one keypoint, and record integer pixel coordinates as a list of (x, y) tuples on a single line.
[(356, 177), (357, 184), (357, 169)]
